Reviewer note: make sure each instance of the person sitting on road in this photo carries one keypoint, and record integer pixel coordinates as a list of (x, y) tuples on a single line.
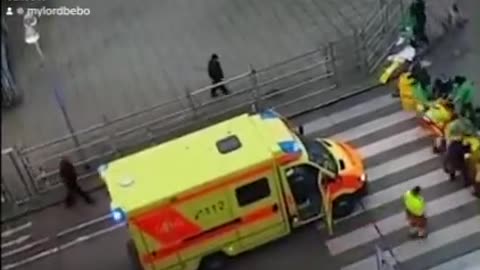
[(442, 88), (422, 94)]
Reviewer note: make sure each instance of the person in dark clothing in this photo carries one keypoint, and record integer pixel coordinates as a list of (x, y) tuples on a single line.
[(69, 178), (455, 161), (442, 88), (215, 73), (417, 10), (420, 74)]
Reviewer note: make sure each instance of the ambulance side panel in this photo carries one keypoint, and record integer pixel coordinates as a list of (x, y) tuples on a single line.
[(147, 245), (233, 217), (214, 213), (259, 203)]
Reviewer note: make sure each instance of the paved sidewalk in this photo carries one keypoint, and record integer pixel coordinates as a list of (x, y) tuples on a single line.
[(126, 56)]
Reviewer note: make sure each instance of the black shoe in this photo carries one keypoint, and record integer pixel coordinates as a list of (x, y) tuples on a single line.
[(395, 94)]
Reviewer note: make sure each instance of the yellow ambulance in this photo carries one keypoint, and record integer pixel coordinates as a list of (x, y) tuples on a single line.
[(197, 200)]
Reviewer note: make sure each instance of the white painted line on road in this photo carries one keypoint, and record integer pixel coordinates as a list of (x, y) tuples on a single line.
[(438, 239), (24, 248), (54, 250), (369, 263), (399, 164), (470, 261), (83, 225), (392, 142), (374, 126), (12, 231), (17, 241), (435, 240), (345, 115), (390, 167), (395, 192), (396, 222)]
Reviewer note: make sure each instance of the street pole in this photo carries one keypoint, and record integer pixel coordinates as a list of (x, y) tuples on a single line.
[(32, 37)]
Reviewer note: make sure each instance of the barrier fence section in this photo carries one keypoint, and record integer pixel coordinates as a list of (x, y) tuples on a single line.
[(290, 87)]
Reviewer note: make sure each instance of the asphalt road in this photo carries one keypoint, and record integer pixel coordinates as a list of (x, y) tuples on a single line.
[(397, 155)]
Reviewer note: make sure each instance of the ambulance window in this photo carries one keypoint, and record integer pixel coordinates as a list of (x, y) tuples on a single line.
[(252, 192), (228, 144)]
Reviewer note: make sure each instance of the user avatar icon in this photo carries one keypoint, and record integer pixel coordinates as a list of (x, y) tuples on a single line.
[(9, 11)]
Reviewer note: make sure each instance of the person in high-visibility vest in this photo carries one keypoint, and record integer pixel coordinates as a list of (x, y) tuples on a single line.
[(415, 209)]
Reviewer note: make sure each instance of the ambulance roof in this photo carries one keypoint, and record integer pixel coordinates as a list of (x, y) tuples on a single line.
[(166, 170)]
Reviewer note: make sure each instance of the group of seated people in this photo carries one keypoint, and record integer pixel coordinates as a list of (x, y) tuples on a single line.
[(455, 94)]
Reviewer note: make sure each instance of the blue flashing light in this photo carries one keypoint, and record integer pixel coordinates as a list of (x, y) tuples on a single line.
[(117, 214), (268, 114), (290, 147)]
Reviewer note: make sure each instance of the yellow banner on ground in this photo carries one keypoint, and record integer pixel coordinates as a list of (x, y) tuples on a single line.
[(405, 89)]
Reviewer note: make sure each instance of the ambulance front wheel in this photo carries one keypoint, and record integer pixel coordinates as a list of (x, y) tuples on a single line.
[(216, 261), (135, 263), (343, 206)]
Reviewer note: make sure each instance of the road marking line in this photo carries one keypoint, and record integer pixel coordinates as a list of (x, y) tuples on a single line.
[(10, 232), (392, 142), (83, 225), (399, 164), (394, 192), (24, 248), (435, 240), (395, 222), (17, 241), (391, 167), (345, 115), (466, 262), (374, 126), (54, 250)]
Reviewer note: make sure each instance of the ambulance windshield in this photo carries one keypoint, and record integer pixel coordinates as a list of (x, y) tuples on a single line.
[(319, 154)]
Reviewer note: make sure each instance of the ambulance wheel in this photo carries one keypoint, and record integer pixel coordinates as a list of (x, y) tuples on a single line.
[(214, 261), (343, 206), (135, 263)]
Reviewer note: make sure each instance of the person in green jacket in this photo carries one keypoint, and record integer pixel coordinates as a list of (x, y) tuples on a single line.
[(422, 94), (459, 128), (462, 95)]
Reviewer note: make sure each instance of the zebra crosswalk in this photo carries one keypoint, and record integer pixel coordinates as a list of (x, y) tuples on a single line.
[(398, 156)]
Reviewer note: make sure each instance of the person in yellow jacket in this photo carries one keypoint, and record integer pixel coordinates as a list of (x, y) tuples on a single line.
[(415, 209)]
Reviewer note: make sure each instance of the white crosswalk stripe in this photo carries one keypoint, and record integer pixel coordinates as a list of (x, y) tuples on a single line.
[(452, 209)]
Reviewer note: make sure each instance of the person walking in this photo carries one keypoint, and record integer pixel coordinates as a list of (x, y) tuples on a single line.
[(417, 10), (215, 73), (414, 204), (455, 160), (69, 178)]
